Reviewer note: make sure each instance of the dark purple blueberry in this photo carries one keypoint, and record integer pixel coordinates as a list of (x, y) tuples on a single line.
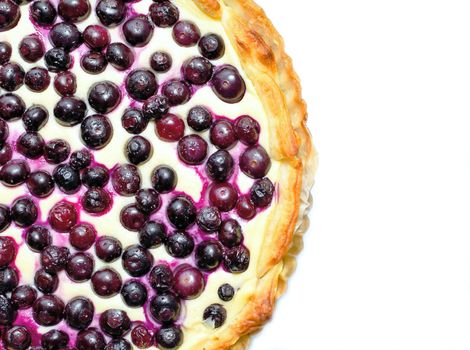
[(181, 212), (245, 208), (148, 201), (192, 149), (197, 70), (170, 128), (180, 244), (96, 37), (209, 219), (138, 150), (7, 251), (43, 12), (54, 258), (126, 179), (23, 297), (161, 62), (40, 183), (164, 14), (222, 134), (5, 52), (199, 118), (17, 337), (48, 310), (65, 83), (70, 111), (138, 30), (132, 218), (119, 55), (74, 10), (237, 260), (31, 48), (208, 255), (6, 153), (80, 159), (178, 92), (111, 12), (38, 238), (35, 118), (66, 36), (169, 338), (11, 75), (54, 340), (96, 201), (46, 282), (230, 233), (134, 293), (95, 176), (247, 130), (31, 145), (133, 121), (255, 162), (56, 151), (96, 131), (152, 234), (14, 173), (219, 166), (79, 313), (63, 216), (186, 33), (80, 267), (10, 14), (228, 84), (90, 339), (106, 282), (12, 107), (262, 193), (37, 79), (7, 311), (164, 179), (118, 344), (161, 278), (108, 248), (226, 292), (82, 236), (24, 212), (141, 84), (115, 323), (212, 46), (165, 308), (57, 60), (5, 217), (156, 107), (104, 96), (67, 178), (223, 195), (142, 337), (137, 260), (93, 62), (215, 315), (4, 132), (8, 279)]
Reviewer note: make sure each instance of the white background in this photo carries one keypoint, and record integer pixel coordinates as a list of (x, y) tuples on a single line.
[(386, 263)]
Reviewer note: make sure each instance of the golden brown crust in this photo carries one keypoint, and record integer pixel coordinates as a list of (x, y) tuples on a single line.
[(265, 62)]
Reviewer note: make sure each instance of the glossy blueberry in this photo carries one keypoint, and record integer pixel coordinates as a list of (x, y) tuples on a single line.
[(223, 195), (138, 30), (65, 83), (161, 61), (152, 234), (126, 179), (11, 76), (12, 107), (169, 338), (156, 107), (134, 293), (82, 236), (245, 208), (192, 149), (212, 46), (138, 150), (228, 84), (222, 134), (96, 201), (142, 337), (5, 52), (96, 131), (5, 217), (70, 111), (215, 315), (54, 340), (46, 282), (186, 33), (7, 311), (148, 201), (56, 151), (255, 162), (219, 166), (208, 255), (197, 70), (237, 260), (90, 339), (8, 279), (170, 128), (48, 310), (80, 159), (106, 282), (6, 153), (37, 79), (4, 132), (17, 337), (115, 323), (93, 62), (262, 192), (14, 173), (96, 37), (180, 244), (178, 92), (67, 178), (24, 212), (43, 12), (247, 130), (230, 233), (79, 313), (63, 216), (74, 10), (164, 179), (132, 218), (104, 96), (95, 176), (209, 219), (23, 297), (54, 259), (164, 14), (66, 36), (181, 212), (35, 118), (199, 118), (118, 344), (31, 145), (80, 267), (108, 248), (141, 84), (111, 12), (119, 55), (57, 60), (226, 292), (137, 260), (31, 48), (40, 184), (7, 251), (133, 121), (165, 308), (38, 238)]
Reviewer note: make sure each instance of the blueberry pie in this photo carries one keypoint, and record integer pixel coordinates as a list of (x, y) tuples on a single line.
[(155, 169)]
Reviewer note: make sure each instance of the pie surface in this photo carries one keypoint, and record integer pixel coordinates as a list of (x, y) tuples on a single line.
[(154, 167)]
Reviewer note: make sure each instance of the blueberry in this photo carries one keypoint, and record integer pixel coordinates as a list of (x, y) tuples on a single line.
[(208, 255), (67, 178), (31, 48), (54, 340), (138, 30), (262, 192), (14, 173), (152, 234), (111, 12), (119, 56), (5, 52), (70, 111), (219, 166), (23, 297), (164, 14), (80, 267), (215, 315), (209, 219), (79, 313), (141, 84), (38, 238), (48, 310), (43, 12), (17, 337), (228, 84), (63, 216), (96, 37), (192, 149), (197, 70), (161, 61), (115, 323), (178, 92), (199, 118), (223, 195), (80, 159), (126, 179), (133, 121), (56, 151), (134, 293), (104, 96), (82, 236), (137, 261), (169, 337), (108, 248), (40, 184), (181, 212), (35, 118), (12, 107), (165, 308), (10, 14), (164, 179), (11, 76), (24, 212), (186, 33), (138, 150), (226, 292), (31, 145), (90, 339), (132, 218), (106, 282), (148, 201), (93, 62), (9, 279), (57, 60), (179, 244), (74, 10), (54, 259), (46, 282), (237, 260), (66, 36), (212, 46), (65, 83), (155, 107), (96, 131)]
